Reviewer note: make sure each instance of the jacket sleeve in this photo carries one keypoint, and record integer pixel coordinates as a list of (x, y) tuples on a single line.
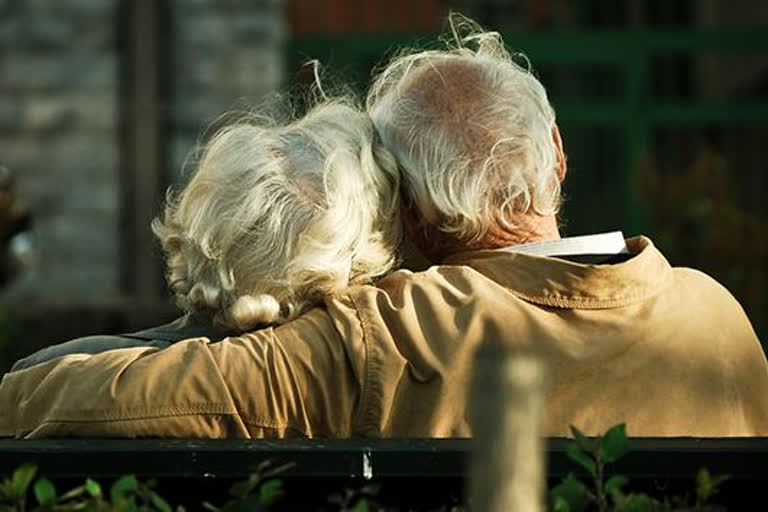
[(88, 345), (295, 380)]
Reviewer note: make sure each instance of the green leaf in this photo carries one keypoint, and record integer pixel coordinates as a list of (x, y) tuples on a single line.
[(248, 504), (20, 481), (263, 466), (5, 488), (72, 493), (370, 490), (336, 499), (362, 505), (577, 454), (585, 443), (640, 503), (45, 492), (269, 472), (614, 444), (707, 485), (209, 506), (615, 484), (126, 504), (717, 480), (242, 489), (703, 485), (159, 503), (270, 492), (239, 490), (93, 488), (573, 492), (123, 486), (560, 505)]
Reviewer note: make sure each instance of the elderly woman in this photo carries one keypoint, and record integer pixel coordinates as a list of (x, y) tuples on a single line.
[(275, 218)]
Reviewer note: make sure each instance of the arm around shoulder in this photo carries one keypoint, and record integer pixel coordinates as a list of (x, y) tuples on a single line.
[(288, 381)]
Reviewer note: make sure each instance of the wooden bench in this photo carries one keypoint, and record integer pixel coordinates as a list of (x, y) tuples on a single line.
[(413, 471)]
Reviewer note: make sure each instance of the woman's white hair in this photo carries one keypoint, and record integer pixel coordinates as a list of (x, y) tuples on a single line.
[(471, 130), (279, 215)]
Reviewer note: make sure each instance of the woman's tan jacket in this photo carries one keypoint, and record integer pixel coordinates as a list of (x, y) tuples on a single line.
[(668, 351)]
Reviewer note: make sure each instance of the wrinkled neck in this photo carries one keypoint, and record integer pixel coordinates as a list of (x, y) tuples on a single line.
[(438, 245)]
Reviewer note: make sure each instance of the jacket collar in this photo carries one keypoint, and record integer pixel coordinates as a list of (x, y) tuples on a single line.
[(561, 283)]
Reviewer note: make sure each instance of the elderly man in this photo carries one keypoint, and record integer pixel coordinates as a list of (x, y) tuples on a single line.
[(626, 337)]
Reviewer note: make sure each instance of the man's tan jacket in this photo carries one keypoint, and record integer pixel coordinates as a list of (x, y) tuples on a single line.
[(668, 351)]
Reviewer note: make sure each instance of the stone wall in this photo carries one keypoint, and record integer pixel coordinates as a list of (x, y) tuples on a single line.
[(58, 78), (60, 116), (227, 55)]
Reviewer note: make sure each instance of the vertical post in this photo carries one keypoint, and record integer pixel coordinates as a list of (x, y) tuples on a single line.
[(143, 146), (506, 412)]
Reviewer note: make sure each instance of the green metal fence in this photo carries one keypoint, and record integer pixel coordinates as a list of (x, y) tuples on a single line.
[(609, 119), (634, 111)]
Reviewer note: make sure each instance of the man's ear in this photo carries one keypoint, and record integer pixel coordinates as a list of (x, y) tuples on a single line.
[(562, 166)]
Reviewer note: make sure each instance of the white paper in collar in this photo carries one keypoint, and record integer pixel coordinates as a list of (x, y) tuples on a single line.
[(600, 244)]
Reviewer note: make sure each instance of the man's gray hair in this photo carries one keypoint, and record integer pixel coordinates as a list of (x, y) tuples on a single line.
[(277, 216), (472, 132)]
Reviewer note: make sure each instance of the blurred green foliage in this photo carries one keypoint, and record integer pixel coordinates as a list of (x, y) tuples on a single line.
[(698, 221)]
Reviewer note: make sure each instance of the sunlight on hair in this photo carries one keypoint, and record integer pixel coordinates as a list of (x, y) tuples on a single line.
[(471, 130), (279, 215)]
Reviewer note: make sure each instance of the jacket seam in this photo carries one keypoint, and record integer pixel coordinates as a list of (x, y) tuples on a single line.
[(139, 414), (361, 421), (51, 421), (260, 422), (576, 303)]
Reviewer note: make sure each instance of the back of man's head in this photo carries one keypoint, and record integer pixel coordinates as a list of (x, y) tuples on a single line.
[(472, 132)]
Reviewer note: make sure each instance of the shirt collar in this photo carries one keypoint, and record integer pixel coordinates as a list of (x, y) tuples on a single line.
[(600, 244)]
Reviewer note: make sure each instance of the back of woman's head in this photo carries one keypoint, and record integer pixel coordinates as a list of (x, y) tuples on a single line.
[(279, 215)]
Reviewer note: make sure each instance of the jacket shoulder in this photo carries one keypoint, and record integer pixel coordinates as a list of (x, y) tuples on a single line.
[(704, 288), (448, 280), (700, 293)]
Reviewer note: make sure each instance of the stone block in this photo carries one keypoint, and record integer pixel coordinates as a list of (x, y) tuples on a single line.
[(98, 35), (10, 116), (182, 157), (222, 27), (90, 233), (21, 152), (82, 71), (100, 198), (10, 31), (258, 26), (71, 110), (73, 247), (47, 31), (95, 8), (46, 114), (92, 156), (76, 282), (189, 5), (55, 174), (96, 111), (256, 71), (196, 111)]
